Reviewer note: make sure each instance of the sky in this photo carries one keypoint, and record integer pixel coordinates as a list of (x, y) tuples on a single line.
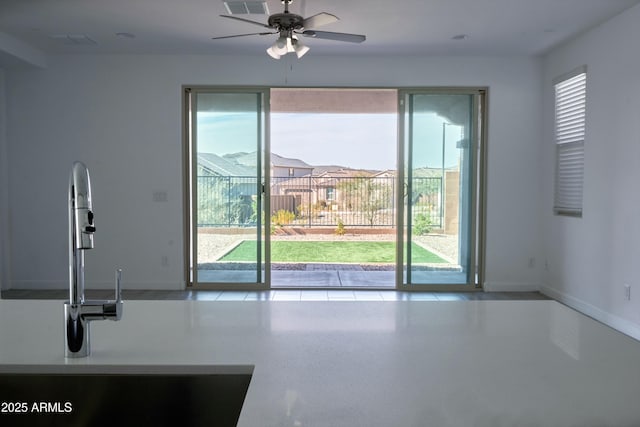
[(359, 141)]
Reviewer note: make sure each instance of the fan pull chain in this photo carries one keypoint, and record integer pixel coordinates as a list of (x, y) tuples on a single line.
[(286, 73)]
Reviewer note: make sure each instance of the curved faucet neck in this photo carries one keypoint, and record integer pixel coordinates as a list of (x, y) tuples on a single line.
[(81, 228)]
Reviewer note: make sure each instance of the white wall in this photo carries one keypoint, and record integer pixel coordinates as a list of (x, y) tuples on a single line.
[(4, 188), (14, 52), (122, 116), (589, 259)]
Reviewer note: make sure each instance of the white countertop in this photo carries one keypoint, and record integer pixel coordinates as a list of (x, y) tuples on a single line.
[(400, 363)]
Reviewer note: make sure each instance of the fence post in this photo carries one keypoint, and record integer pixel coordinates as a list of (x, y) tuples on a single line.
[(229, 201), (393, 201), (309, 201)]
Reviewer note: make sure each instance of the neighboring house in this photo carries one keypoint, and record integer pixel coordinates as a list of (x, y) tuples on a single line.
[(389, 173), (331, 183), (210, 164), (281, 167), (285, 167), (329, 186), (235, 175)]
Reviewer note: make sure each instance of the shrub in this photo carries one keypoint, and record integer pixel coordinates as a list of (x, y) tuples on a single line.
[(340, 228), (282, 217), (308, 210), (422, 225)]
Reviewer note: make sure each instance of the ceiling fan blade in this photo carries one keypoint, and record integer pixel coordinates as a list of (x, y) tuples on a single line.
[(319, 19), (342, 37), (246, 20), (241, 35)]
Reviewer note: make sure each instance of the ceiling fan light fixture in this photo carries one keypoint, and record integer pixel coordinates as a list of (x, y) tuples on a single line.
[(301, 51), (272, 53), (299, 48), (281, 46), (285, 45)]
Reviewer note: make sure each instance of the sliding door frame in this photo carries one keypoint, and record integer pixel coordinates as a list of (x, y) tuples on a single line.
[(190, 189), (478, 197), (475, 277)]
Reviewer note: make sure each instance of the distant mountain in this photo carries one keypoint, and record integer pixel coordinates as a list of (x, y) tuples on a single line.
[(248, 160)]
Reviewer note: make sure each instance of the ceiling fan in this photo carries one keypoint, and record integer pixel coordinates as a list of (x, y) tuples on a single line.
[(289, 26)]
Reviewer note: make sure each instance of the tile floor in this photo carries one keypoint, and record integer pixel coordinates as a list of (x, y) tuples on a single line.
[(282, 295)]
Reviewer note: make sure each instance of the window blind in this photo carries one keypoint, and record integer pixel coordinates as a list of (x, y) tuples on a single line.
[(570, 115)]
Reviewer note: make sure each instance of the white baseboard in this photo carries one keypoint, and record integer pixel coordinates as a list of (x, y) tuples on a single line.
[(127, 285), (38, 284), (618, 323), (510, 287)]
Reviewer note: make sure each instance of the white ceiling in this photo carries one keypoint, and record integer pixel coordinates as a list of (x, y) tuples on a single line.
[(494, 27)]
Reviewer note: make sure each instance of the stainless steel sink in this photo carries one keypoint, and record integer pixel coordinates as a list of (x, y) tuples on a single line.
[(124, 396)]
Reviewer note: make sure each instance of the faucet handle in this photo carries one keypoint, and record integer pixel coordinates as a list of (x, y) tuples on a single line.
[(119, 285)]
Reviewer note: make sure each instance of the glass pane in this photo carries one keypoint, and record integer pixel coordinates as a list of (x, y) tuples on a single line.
[(228, 140), (439, 188)]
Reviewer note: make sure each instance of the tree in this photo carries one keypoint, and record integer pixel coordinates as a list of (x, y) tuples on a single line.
[(367, 195)]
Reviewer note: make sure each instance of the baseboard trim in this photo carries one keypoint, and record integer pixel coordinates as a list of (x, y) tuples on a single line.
[(510, 287), (38, 284), (618, 323), (58, 284)]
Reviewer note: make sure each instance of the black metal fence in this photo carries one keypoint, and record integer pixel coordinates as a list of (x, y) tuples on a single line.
[(226, 201), (311, 201)]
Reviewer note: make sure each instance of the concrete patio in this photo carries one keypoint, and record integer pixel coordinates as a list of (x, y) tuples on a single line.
[(330, 276)]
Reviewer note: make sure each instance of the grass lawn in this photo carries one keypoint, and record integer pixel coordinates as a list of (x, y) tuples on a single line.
[(330, 251)]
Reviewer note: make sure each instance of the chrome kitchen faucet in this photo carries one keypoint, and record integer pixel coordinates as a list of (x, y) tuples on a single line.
[(78, 312)]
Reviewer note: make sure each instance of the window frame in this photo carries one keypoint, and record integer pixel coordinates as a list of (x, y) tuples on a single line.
[(569, 125)]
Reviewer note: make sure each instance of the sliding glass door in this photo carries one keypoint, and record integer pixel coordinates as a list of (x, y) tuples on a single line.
[(437, 184), (227, 174), (439, 147)]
